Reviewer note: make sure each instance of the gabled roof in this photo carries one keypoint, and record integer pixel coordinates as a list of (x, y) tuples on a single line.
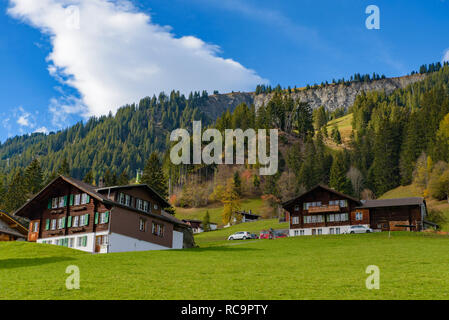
[(399, 202), (18, 229), (93, 192), (322, 186)]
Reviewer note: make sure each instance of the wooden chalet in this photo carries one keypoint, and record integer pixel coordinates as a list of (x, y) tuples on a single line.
[(11, 229), (323, 210), (74, 214), (197, 225)]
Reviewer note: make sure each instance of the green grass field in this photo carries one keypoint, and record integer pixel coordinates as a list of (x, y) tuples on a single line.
[(216, 210), (253, 227), (412, 266), (344, 125)]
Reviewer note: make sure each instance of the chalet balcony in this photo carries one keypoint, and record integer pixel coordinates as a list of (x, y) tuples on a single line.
[(324, 208)]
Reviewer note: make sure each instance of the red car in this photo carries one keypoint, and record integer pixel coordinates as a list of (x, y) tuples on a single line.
[(265, 234)]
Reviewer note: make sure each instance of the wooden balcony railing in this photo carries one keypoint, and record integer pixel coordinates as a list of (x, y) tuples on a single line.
[(334, 208)]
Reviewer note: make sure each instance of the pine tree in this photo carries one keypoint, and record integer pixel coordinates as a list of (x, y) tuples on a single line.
[(33, 177), (64, 169), (15, 196), (338, 179), (237, 183), (123, 179), (206, 222), (89, 177), (153, 176)]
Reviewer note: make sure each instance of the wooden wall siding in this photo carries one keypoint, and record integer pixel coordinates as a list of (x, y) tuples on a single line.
[(126, 222), (380, 217), (90, 208), (365, 219), (135, 193), (7, 237), (324, 196)]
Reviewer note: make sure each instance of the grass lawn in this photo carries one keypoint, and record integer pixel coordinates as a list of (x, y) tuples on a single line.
[(344, 125), (216, 210), (254, 227), (412, 266)]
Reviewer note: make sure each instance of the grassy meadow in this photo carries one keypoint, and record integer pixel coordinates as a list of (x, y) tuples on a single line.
[(216, 210), (412, 266)]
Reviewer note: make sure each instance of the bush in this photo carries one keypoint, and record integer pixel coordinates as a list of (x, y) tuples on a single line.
[(437, 217)]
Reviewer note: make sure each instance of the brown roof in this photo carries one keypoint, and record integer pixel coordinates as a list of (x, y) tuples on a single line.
[(399, 202), (291, 201), (17, 230)]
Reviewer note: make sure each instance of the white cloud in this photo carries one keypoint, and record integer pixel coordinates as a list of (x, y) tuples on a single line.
[(116, 55), (24, 118), (41, 130)]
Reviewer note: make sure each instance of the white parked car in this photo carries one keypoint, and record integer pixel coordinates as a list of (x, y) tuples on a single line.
[(359, 229), (242, 235)]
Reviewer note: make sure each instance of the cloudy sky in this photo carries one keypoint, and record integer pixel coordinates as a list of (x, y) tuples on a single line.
[(63, 61)]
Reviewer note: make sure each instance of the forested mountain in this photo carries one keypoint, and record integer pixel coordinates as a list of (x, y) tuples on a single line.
[(119, 143), (394, 126)]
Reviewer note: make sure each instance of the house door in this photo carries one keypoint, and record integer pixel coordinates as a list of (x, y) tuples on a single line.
[(98, 241)]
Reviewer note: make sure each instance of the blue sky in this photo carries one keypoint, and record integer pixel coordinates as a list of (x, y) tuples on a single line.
[(51, 78)]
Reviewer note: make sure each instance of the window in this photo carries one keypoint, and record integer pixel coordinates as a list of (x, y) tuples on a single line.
[(308, 205), (104, 217), (307, 219), (127, 200), (77, 200), (337, 230), (359, 216), (145, 206), (60, 223), (296, 233), (53, 224), (301, 232), (76, 220), (85, 198), (157, 229), (61, 202), (139, 204), (155, 207), (344, 217), (343, 203), (84, 220), (57, 242), (54, 203), (121, 198), (142, 224), (295, 220), (82, 241), (35, 226), (71, 242), (331, 231), (296, 208), (320, 231)]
